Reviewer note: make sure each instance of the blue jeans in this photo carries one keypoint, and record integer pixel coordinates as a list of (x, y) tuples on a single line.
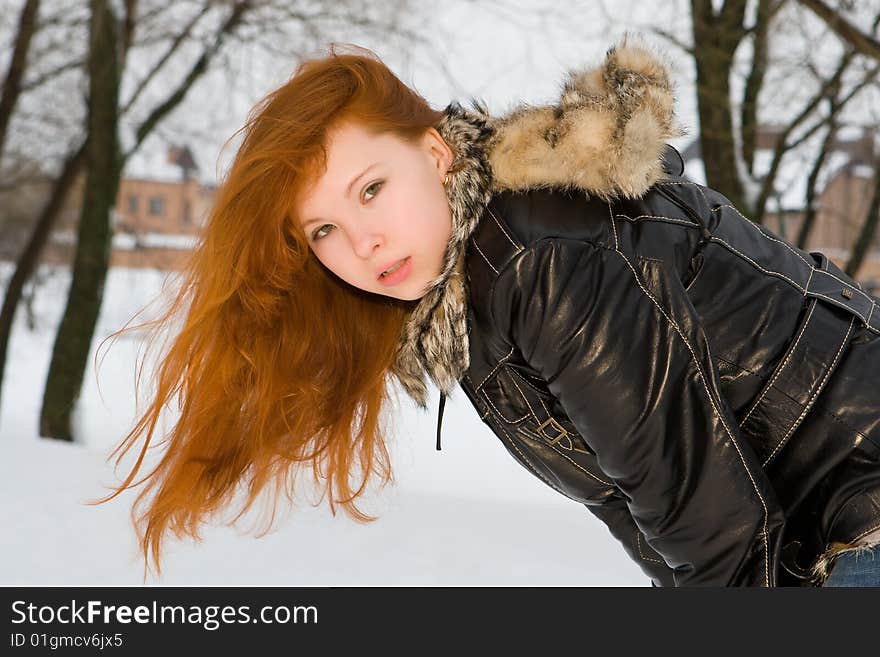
[(856, 568)]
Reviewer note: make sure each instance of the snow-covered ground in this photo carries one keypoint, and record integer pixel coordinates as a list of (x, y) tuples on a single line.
[(467, 515)]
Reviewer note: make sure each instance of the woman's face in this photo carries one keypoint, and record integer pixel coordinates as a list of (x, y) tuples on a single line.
[(380, 200)]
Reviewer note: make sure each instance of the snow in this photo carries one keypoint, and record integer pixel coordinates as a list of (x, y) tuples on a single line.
[(150, 162), (467, 515), (130, 241), (863, 171)]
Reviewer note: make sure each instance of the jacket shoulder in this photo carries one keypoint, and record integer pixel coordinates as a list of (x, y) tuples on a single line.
[(514, 220), (545, 212)]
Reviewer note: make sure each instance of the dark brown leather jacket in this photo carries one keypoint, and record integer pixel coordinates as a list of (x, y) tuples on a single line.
[(665, 362)]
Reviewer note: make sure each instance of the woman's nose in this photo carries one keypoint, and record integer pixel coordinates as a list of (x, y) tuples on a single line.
[(366, 243)]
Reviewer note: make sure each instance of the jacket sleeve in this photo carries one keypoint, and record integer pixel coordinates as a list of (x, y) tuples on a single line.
[(621, 347), (616, 516)]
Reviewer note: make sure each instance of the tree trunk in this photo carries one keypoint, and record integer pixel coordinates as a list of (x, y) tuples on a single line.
[(869, 228), (810, 210), (715, 42), (30, 256), (103, 168)]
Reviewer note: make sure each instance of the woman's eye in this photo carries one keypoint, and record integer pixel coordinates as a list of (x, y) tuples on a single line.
[(316, 235), (371, 185)]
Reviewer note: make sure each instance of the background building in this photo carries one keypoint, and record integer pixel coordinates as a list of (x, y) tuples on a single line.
[(156, 220)]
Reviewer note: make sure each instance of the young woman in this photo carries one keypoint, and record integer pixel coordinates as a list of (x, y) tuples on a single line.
[(704, 388)]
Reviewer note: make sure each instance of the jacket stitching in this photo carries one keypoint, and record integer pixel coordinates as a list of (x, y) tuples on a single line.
[(863, 534), (786, 245), (763, 234), (488, 410), (854, 312), (526, 462), (639, 546), (699, 366), (530, 380), (858, 289), (546, 410), (738, 366), (614, 229), (480, 251), (535, 418), (811, 265), (720, 416), (527, 382), (695, 185), (715, 238), (497, 365), (500, 414), (841, 421), (781, 367), (518, 247), (578, 465), (532, 410), (567, 444), (515, 375), (750, 373), (534, 415), (683, 222), (814, 395), (803, 290)]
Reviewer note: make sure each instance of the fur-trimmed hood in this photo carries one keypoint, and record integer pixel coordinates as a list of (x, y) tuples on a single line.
[(606, 136)]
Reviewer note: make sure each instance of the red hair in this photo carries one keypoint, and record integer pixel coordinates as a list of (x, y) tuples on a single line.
[(278, 363)]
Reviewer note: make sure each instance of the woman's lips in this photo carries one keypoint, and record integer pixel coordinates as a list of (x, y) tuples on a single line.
[(399, 274)]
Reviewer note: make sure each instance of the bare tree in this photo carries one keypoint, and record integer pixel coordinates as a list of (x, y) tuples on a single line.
[(74, 335), (94, 242), (27, 25), (732, 45)]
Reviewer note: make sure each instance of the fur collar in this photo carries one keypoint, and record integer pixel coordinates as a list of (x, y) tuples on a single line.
[(605, 136)]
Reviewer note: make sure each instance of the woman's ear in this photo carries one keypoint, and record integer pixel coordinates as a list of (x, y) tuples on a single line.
[(439, 151)]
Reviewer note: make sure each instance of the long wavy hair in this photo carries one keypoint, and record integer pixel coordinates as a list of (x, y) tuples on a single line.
[(278, 364)]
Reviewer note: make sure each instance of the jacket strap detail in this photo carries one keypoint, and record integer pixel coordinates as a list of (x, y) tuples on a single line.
[(558, 428), (548, 427), (802, 373), (829, 282)]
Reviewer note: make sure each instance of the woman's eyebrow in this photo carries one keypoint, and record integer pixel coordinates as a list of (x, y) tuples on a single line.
[(358, 177)]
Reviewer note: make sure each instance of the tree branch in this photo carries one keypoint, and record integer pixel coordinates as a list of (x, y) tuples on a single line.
[(232, 22), (27, 26), (754, 82), (861, 42), (172, 48)]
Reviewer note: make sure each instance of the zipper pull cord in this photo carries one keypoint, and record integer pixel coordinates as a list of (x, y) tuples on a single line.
[(440, 417)]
